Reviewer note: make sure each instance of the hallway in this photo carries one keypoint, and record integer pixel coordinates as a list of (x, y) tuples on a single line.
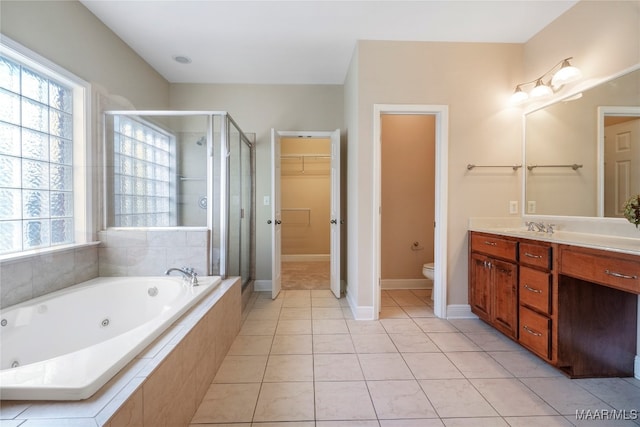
[(302, 361)]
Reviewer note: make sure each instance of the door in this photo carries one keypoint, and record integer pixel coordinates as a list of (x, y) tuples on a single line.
[(335, 213), (276, 217), (479, 285), (505, 300), (621, 166)]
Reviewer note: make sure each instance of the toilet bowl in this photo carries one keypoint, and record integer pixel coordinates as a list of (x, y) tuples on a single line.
[(427, 271)]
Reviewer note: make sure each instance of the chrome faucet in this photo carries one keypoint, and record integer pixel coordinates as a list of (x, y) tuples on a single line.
[(187, 272), (532, 226)]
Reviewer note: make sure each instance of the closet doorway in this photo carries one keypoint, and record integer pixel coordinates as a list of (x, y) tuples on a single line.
[(305, 202)]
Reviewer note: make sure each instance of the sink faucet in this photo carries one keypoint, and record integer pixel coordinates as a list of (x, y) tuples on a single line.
[(532, 226), (187, 272)]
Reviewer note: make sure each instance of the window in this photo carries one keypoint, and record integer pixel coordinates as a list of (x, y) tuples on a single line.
[(42, 135), (144, 174)]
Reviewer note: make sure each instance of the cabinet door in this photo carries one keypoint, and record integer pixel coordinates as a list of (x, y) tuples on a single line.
[(505, 302), (479, 286)]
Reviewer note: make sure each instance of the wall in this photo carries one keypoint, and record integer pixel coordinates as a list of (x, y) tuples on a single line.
[(475, 81), (408, 194), (257, 109)]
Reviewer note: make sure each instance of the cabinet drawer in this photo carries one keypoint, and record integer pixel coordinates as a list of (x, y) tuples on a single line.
[(535, 289), (603, 267), (535, 332), (535, 255), (493, 245)]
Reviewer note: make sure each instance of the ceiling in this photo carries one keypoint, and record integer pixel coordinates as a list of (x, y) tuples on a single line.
[(302, 42)]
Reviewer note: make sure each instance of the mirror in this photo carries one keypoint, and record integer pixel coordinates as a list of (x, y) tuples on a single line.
[(573, 164), (156, 173)]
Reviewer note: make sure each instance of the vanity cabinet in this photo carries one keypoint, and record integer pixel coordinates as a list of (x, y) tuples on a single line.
[(493, 281), (535, 302), (575, 307)]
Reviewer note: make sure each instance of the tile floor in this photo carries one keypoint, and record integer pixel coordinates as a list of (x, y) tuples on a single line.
[(302, 361)]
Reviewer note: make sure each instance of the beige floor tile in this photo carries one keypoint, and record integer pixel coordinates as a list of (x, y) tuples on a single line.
[(329, 326), (282, 424), (405, 298), (264, 313), (387, 301), (384, 366), (477, 364), (251, 345), (471, 325), (419, 311), (288, 401), (322, 293), (294, 327), (545, 421), (334, 343), (331, 302), (422, 422), (524, 364), (291, 344), (393, 312), (475, 422), (297, 293), (327, 313), (493, 341), (431, 366), (564, 395), (348, 400), (298, 302), (295, 313), (227, 403), (342, 423), (373, 343), (453, 341), (400, 326), (400, 399), (241, 369), (259, 327), (435, 325), (365, 327), (289, 367), (414, 343), (456, 398), (510, 397), (617, 392), (337, 367)]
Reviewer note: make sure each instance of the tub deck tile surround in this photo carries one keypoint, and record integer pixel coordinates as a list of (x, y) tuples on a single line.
[(145, 392)]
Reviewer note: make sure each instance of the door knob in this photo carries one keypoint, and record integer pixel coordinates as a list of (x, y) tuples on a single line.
[(333, 221), (269, 221), (278, 222)]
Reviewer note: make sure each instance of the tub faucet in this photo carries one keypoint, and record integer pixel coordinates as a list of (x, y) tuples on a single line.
[(187, 272)]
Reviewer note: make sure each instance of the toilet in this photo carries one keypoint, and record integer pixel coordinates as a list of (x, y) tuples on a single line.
[(428, 272)]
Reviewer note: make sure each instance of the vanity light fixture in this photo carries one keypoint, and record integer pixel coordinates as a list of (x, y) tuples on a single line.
[(561, 73)]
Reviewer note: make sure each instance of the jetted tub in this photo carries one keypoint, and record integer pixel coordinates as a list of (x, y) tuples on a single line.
[(67, 344)]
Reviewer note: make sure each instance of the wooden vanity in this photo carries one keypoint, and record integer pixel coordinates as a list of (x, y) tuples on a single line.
[(575, 307)]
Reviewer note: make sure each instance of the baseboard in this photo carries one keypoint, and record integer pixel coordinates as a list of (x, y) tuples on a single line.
[(406, 284), (306, 257), (460, 311), (359, 312), (262, 286), (636, 367)]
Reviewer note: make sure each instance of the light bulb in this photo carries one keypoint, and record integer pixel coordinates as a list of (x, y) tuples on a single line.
[(518, 96), (541, 90), (566, 74)]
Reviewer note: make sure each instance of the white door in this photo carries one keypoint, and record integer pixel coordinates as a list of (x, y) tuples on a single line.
[(276, 217), (335, 213), (622, 165)]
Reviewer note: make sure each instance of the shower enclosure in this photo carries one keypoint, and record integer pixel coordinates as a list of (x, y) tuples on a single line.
[(183, 169)]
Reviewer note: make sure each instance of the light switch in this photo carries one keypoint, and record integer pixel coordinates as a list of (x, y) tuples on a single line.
[(513, 207), (266, 200)]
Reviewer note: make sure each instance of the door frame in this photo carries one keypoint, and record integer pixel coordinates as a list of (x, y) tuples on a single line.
[(441, 113), (335, 254)]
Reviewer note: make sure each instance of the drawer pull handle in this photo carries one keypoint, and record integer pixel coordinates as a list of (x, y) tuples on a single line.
[(529, 288), (531, 331), (490, 243), (527, 254), (620, 275)]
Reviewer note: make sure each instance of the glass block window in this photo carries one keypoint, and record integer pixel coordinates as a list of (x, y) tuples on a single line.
[(144, 174), (36, 159)]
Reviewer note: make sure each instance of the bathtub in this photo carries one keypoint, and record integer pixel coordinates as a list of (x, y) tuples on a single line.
[(67, 344)]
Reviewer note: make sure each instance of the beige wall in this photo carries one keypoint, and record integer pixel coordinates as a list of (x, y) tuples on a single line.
[(475, 81), (407, 194)]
